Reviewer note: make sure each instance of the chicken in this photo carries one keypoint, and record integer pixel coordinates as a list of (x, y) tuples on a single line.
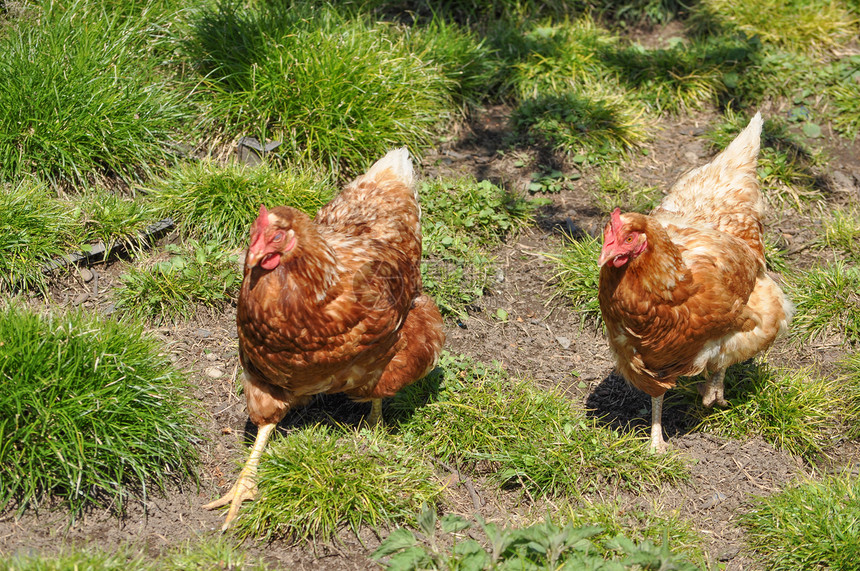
[(684, 291), (334, 305)]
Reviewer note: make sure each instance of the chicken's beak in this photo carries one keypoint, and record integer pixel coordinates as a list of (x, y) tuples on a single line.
[(253, 258), (605, 255)]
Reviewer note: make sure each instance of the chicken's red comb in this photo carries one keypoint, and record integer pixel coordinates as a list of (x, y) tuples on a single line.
[(259, 225), (615, 219)]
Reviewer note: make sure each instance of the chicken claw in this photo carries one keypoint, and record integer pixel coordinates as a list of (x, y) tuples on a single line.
[(245, 487)]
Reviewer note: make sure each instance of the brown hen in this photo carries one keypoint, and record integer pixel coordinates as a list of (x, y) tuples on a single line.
[(334, 305), (684, 290)]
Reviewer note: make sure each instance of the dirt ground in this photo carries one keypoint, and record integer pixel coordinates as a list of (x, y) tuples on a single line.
[(542, 340)]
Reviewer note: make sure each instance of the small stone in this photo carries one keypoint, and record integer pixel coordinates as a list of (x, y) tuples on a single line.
[(211, 356), (714, 500), (203, 333), (564, 342), (214, 372), (81, 297), (87, 275)]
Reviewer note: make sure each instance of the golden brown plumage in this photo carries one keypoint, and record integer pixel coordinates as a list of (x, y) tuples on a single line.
[(334, 304), (683, 290)]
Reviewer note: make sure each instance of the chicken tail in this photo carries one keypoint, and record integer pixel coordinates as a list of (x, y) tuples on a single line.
[(724, 193), (400, 164)]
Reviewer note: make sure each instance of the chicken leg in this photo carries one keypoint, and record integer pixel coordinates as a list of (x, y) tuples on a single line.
[(712, 390), (375, 416), (658, 445), (245, 487)]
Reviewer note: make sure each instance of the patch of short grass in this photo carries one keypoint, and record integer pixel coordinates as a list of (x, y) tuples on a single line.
[(845, 102), (841, 231), (849, 389), (113, 219), (615, 190), (317, 480), (195, 274), (202, 554), (469, 413), (826, 302), (577, 275), (785, 162), (81, 99), (810, 525), (213, 202), (462, 220), (548, 544), (92, 413), (335, 88), (793, 410), (808, 25), (35, 227)]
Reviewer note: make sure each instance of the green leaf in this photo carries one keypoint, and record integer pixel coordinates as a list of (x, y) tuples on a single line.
[(811, 130), (401, 538), (427, 520), (452, 523)]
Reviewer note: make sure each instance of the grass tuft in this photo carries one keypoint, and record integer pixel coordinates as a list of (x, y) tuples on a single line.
[(218, 203), (468, 412), (317, 480), (811, 525), (335, 89), (91, 414), (826, 302), (81, 99), (793, 410), (577, 276), (170, 290), (35, 228)]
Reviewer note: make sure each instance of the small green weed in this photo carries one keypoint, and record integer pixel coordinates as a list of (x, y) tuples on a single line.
[(544, 545), (551, 181), (462, 220), (534, 439), (195, 274), (849, 391), (92, 412), (316, 480), (794, 410), (577, 275), (826, 302), (218, 203), (811, 525)]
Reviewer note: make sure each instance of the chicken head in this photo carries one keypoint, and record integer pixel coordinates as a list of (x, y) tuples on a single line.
[(271, 239), (621, 243)]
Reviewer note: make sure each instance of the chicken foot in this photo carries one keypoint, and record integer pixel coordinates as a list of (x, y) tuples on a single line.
[(245, 487), (375, 416), (712, 390), (658, 445)]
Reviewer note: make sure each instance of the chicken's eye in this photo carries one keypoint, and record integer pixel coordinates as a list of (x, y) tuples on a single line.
[(628, 239), (278, 237)]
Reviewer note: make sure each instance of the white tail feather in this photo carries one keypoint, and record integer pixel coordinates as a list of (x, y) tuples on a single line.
[(398, 161)]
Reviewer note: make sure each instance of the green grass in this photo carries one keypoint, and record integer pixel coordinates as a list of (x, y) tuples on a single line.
[(82, 99), (113, 219), (202, 554), (317, 480), (797, 25), (849, 390), (336, 90), (542, 545), (214, 202), (196, 274), (577, 276), (35, 227), (841, 232), (615, 190), (826, 302), (92, 413), (793, 410), (468, 412), (462, 221), (811, 525)]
